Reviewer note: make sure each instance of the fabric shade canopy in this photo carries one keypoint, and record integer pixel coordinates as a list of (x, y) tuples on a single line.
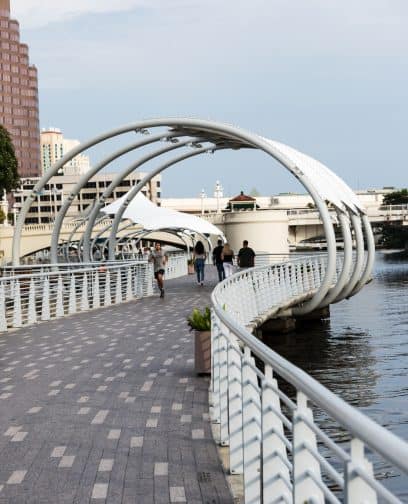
[(142, 211)]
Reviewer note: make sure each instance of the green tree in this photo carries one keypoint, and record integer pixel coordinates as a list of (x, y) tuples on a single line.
[(254, 192), (9, 178), (394, 236), (396, 198)]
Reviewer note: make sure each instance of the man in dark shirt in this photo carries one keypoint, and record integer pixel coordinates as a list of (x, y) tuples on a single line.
[(217, 260), (246, 256)]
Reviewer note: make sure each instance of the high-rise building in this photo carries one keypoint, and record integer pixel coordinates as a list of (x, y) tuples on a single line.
[(19, 95), (54, 146)]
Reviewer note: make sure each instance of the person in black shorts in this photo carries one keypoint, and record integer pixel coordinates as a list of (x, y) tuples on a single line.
[(246, 256), (159, 260), (217, 260)]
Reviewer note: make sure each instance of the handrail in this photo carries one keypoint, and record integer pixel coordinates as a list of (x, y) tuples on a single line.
[(54, 291), (232, 351)]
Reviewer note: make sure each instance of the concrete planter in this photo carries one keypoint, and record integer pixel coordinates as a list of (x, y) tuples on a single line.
[(202, 352)]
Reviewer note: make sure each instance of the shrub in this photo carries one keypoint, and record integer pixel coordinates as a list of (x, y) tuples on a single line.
[(200, 321)]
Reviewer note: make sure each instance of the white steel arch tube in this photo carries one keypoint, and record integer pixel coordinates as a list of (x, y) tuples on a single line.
[(370, 255), (222, 131), (347, 261), (115, 182), (358, 266), (85, 178), (138, 187)]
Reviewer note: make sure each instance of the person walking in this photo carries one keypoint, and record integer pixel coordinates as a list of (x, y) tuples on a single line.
[(159, 260), (246, 256), (217, 260), (199, 257), (227, 258)]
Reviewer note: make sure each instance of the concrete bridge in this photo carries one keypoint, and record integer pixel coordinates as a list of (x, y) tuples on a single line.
[(289, 227)]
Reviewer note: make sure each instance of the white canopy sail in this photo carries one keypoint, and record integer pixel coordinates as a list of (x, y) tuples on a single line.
[(142, 211)]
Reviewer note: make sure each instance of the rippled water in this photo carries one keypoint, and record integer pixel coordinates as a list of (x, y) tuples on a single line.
[(361, 353)]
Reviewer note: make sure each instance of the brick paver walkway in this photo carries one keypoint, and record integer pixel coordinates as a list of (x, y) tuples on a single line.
[(104, 406)]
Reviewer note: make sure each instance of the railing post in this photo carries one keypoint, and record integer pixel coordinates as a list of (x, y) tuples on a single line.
[(357, 490), (107, 297), (32, 315), (275, 464), (251, 420), (3, 320), (59, 309), (306, 469), (84, 294), (45, 312), (129, 295), (96, 300), (118, 295), (17, 317), (215, 374), (72, 308), (149, 279), (139, 272), (223, 364), (235, 406)]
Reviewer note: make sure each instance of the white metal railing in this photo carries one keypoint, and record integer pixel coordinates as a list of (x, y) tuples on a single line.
[(26, 269), (389, 209), (29, 294), (176, 265), (266, 406), (29, 298)]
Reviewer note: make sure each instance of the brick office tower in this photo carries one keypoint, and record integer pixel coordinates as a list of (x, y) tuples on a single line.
[(19, 95)]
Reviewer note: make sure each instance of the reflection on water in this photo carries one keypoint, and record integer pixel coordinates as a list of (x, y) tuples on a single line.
[(361, 353)]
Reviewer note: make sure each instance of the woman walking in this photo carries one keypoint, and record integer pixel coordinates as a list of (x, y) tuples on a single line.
[(227, 257), (199, 261)]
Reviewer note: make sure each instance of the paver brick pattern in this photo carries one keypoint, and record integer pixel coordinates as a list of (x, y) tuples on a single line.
[(105, 406)]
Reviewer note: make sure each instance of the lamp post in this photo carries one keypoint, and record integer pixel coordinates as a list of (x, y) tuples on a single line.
[(14, 211), (202, 195), (218, 193)]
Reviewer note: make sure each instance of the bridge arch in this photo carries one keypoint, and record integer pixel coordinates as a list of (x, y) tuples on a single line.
[(321, 183)]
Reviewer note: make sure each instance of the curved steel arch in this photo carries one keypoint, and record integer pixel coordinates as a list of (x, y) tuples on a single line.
[(86, 177), (118, 178), (138, 187), (318, 180)]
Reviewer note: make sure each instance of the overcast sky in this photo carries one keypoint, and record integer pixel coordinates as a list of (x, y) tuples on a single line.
[(328, 77)]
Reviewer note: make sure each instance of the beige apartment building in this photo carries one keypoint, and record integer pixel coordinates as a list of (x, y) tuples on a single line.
[(58, 188), (54, 146)]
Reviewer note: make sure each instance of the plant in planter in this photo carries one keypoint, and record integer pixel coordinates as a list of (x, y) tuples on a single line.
[(200, 323), (190, 266)]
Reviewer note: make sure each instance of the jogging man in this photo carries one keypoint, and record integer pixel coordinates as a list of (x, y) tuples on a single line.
[(159, 260), (246, 256)]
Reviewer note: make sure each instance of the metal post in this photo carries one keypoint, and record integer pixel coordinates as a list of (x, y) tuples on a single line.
[(251, 427)]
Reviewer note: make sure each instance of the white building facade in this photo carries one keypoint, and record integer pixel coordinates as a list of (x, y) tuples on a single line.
[(54, 146)]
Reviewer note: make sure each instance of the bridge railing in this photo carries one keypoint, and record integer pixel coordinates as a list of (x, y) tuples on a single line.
[(291, 438)]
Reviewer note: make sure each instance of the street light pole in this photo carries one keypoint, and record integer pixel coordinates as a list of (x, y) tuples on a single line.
[(203, 195), (218, 194)]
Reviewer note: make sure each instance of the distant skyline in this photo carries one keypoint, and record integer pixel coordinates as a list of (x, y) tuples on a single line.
[(326, 77)]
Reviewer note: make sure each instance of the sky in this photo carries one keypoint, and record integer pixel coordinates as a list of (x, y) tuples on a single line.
[(328, 77)]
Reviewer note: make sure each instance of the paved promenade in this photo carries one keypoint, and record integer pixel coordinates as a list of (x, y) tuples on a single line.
[(104, 406)]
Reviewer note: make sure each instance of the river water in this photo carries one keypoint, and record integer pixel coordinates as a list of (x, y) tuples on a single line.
[(361, 354)]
